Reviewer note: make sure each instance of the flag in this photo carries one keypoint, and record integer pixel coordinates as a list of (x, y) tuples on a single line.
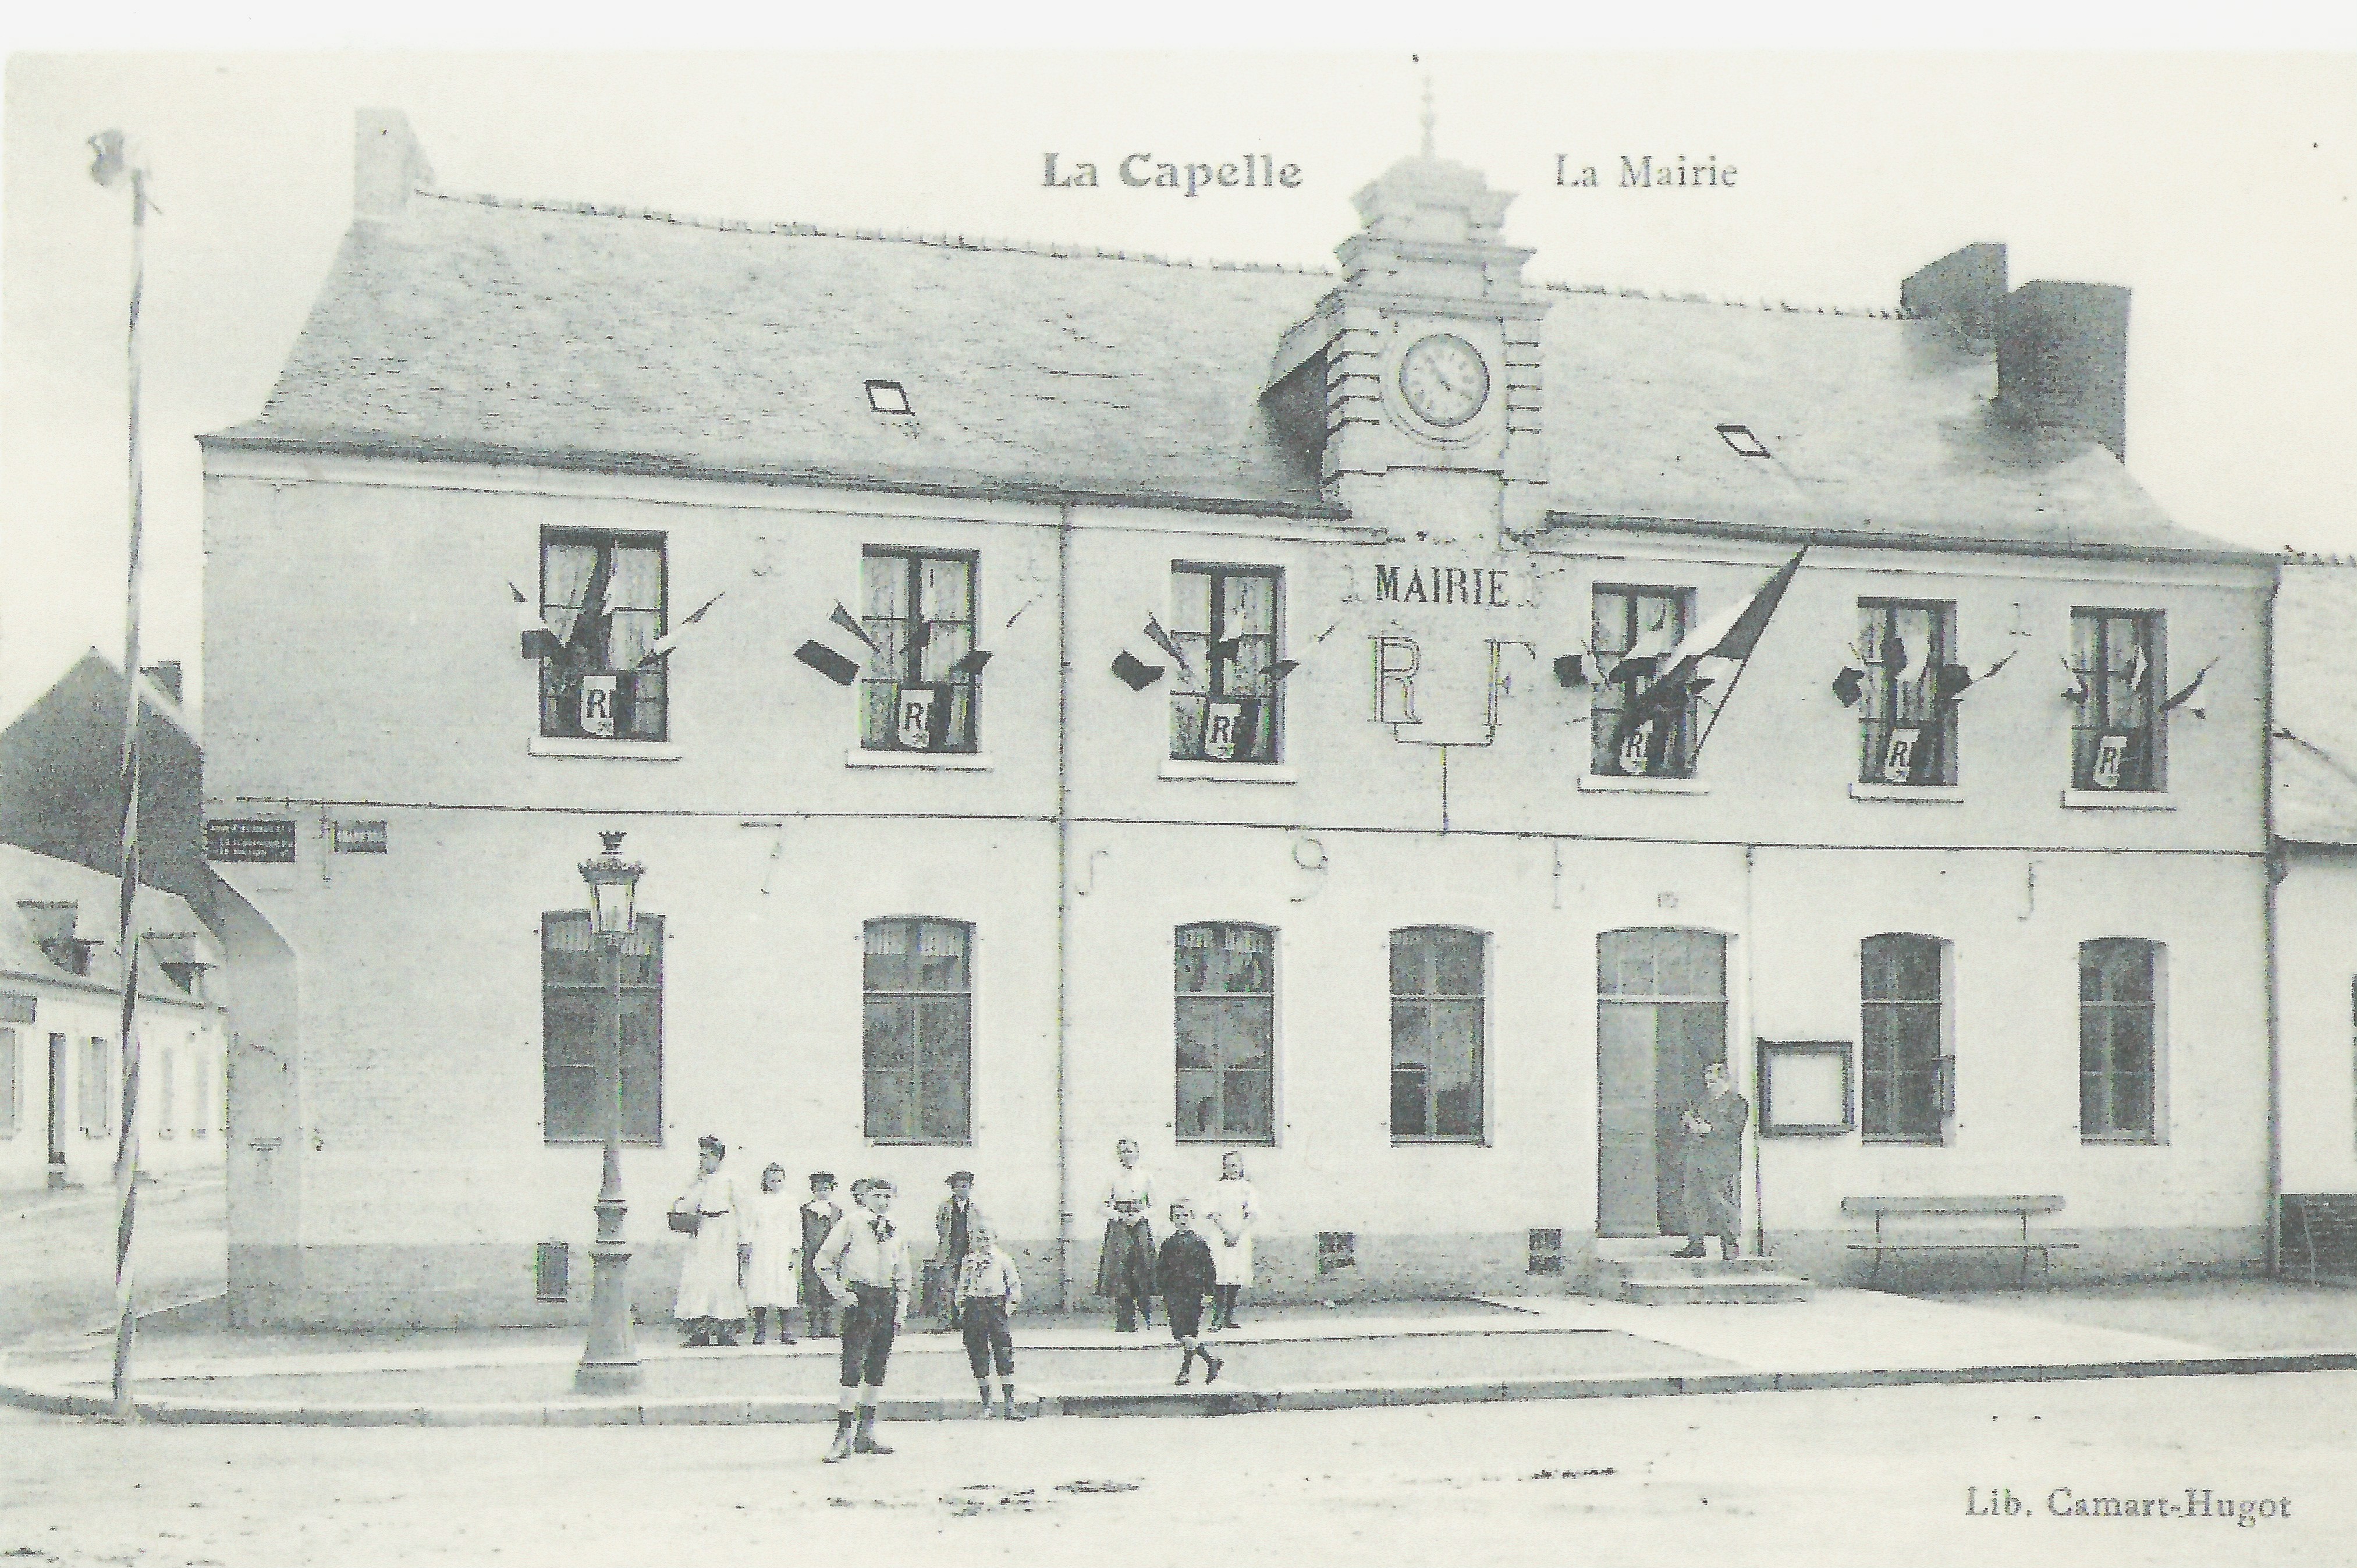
[(1227, 648), (1715, 650), (670, 639), (1849, 685), (2138, 668), (1162, 639), (1950, 681), (828, 662), (1134, 673), (971, 663), (918, 710), (538, 638), (1571, 669), (2177, 701), (1282, 668), (2078, 692), (1896, 657), (850, 623)]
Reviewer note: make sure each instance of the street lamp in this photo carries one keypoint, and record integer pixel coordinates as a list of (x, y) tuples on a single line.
[(609, 1364)]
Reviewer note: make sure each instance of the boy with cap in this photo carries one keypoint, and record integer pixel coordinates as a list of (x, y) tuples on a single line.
[(955, 1223), (864, 1261), (819, 1215), (1187, 1273)]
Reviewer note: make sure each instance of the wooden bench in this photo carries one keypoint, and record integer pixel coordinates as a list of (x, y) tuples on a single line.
[(2020, 1206)]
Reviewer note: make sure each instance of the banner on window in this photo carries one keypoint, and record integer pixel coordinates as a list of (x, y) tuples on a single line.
[(918, 715), (2110, 754), (1227, 729), (1636, 749), (597, 707), (1898, 756)]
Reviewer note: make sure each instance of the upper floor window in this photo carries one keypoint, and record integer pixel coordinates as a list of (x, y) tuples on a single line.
[(167, 1096), (1437, 1029), (576, 1024), (2118, 1039), (1907, 724), (1633, 633), (1225, 986), (2115, 740), (918, 692), (1225, 707), (1904, 1070), (917, 1049), (602, 597)]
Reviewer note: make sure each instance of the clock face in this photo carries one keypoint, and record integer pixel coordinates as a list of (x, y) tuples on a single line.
[(1444, 379)]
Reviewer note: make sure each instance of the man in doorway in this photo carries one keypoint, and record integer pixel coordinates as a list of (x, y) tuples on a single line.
[(1711, 1160)]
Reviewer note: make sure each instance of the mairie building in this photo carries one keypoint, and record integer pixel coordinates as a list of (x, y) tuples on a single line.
[(1059, 696)]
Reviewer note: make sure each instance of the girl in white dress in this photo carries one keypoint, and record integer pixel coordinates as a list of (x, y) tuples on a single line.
[(773, 1233), (711, 1298), (1233, 1210)]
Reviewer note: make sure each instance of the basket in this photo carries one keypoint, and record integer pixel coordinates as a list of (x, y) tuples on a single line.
[(685, 1220)]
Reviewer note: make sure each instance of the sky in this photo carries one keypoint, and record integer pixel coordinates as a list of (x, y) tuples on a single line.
[(2217, 186)]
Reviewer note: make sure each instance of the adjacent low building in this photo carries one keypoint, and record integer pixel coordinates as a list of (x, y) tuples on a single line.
[(1338, 716), (62, 1036)]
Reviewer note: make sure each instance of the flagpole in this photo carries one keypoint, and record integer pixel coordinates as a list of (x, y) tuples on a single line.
[(1693, 763), (108, 166)]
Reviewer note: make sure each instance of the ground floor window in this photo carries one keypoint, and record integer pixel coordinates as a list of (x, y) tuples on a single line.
[(12, 1083), (917, 980), (2118, 1036), (1224, 985), (167, 1072), (97, 1098), (1902, 1039), (1437, 1027), (577, 999)]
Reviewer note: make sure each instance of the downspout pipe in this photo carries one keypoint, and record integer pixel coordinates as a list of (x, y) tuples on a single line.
[(2273, 872), (1065, 1283)]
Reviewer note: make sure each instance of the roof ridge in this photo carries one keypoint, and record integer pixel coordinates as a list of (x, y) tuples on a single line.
[(2317, 558), (944, 241), (1694, 296)]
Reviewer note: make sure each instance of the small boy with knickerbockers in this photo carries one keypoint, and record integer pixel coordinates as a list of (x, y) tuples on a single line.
[(1186, 1274)]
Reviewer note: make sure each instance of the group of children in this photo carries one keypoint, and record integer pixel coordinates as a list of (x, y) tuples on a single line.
[(761, 1254)]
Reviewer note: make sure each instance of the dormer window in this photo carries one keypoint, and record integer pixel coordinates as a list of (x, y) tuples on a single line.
[(888, 397), (52, 926), (1745, 443)]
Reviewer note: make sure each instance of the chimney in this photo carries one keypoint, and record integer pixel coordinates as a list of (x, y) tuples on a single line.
[(387, 164), (2062, 358), (1963, 288), (164, 677)]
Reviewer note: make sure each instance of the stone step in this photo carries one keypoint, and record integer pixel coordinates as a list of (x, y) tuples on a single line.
[(1733, 1289), (1662, 1265)]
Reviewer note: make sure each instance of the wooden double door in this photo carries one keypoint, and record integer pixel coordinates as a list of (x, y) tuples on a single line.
[(1660, 1018)]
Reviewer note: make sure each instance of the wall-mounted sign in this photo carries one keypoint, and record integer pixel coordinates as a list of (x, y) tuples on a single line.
[(597, 707), (360, 838), (1804, 1088), (267, 841), (1474, 587)]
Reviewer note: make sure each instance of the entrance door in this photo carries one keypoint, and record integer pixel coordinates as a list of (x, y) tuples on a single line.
[(57, 1105), (1660, 1018)]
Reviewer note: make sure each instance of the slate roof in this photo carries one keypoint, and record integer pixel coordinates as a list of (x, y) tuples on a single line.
[(27, 877), (2316, 704), (479, 326)]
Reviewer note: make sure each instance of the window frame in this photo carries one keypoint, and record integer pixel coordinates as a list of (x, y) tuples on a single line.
[(1881, 1085), (1879, 696), (1607, 701), (1429, 1001), (1215, 673), (2152, 1006), (551, 700), (911, 996), (636, 1131), (873, 675), (1219, 1068), (2093, 671), (94, 1097)]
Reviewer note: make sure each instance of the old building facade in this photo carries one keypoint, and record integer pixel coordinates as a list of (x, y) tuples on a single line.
[(1228, 706)]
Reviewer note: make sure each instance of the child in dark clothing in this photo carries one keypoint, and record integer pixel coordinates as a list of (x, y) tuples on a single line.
[(1186, 1274)]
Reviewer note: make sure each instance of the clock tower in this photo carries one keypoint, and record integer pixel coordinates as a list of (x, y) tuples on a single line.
[(1417, 379)]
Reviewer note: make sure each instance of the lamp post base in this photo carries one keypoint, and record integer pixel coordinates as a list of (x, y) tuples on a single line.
[(609, 1363)]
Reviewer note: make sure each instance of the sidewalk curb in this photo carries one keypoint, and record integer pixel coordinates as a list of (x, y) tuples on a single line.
[(1145, 1402)]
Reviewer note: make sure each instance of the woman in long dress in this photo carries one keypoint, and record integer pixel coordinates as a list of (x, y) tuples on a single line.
[(1233, 1210), (711, 1297), (773, 1233)]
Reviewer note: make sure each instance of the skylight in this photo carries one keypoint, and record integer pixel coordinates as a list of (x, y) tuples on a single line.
[(1738, 436), (888, 397)]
